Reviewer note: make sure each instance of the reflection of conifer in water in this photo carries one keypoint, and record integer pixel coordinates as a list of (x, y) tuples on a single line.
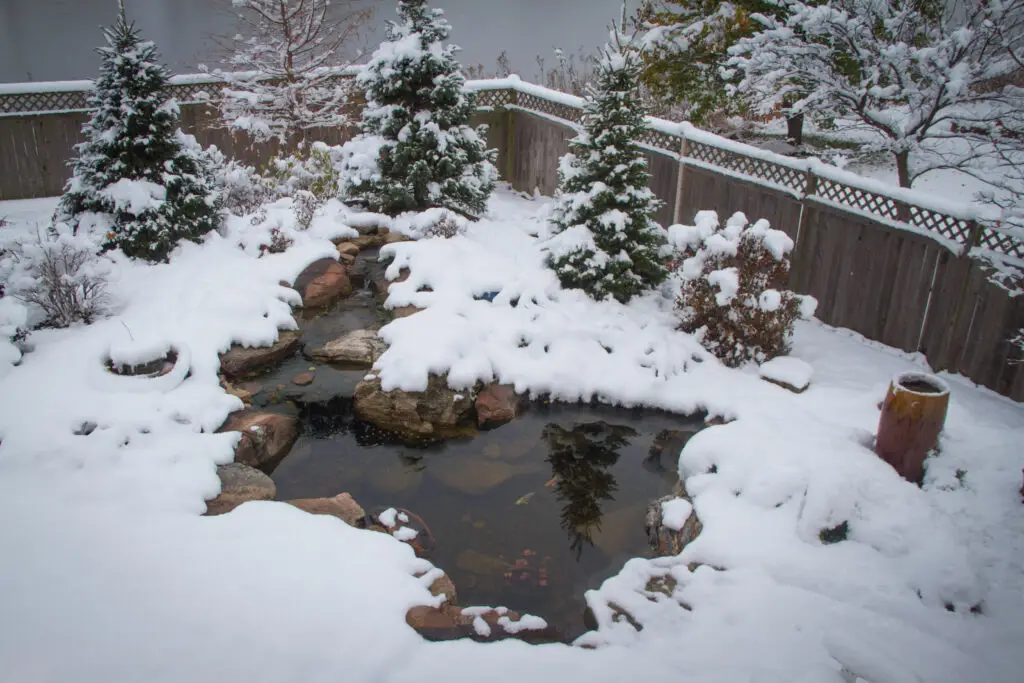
[(580, 458)]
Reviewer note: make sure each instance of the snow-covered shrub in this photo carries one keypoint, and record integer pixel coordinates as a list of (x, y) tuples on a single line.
[(430, 223), (311, 169), (445, 228), (60, 275), (279, 243), (416, 120), (607, 242), (734, 288), (139, 183), (243, 189)]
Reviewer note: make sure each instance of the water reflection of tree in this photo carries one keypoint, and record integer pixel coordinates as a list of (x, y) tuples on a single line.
[(580, 459)]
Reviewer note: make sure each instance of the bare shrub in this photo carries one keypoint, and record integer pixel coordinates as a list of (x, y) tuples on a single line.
[(444, 228), (67, 282), (243, 189), (279, 243), (733, 293)]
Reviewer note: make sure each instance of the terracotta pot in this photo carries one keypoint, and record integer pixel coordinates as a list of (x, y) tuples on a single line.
[(913, 415)]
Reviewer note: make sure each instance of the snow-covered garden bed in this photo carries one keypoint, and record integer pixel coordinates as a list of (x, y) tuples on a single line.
[(111, 573)]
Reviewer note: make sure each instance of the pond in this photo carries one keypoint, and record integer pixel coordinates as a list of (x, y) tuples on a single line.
[(528, 516)]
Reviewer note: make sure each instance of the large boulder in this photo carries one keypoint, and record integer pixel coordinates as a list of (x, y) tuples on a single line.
[(342, 506), (322, 283), (244, 361), (266, 437), (496, 405), (434, 414), (360, 347), (239, 484)]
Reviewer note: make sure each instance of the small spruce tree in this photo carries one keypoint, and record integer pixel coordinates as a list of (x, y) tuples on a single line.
[(417, 111), (138, 180), (607, 242)]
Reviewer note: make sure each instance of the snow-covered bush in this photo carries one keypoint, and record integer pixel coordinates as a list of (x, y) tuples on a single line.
[(139, 183), (283, 77), (243, 190), (606, 241), (60, 275), (416, 149), (279, 243), (311, 169), (734, 288)]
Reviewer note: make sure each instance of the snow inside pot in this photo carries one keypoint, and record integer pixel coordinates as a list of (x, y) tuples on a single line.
[(913, 415), (155, 367)]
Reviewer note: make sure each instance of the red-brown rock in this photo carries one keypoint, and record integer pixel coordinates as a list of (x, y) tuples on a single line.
[(243, 361), (266, 437), (342, 506), (496, 405), (322, 283), (239, 484), (303, 380)]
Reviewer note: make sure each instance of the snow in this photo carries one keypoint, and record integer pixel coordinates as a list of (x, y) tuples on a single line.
[(387, 518), (675, 512), (135, 196), (405, 534), (110, 572), (527, 622), (787, 370)]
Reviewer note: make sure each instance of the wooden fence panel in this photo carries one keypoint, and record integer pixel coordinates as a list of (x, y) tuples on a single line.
[(538, 144), (664, 178), (704, 189)]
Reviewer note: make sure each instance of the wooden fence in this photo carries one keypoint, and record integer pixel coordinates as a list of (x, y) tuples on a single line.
[(881, 263)]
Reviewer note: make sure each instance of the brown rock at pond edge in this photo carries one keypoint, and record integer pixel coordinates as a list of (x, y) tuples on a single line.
[(303, 380), (368, 241), (380, 285), (405, 311), (393, 237), (342, 506), (239, 484), (361, 347), (496, 405), (436, 413), (347, 248), (322, 283), (444, 585), (242, 361), (266, 437), (347, 258), (238, 392), (670, 542)]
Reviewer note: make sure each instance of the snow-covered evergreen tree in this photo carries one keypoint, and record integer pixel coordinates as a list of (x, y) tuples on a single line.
[(416, 121), (607, 242), (283, 78), (139, 183)]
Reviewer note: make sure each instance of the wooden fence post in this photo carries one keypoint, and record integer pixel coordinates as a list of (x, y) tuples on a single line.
[(510, 137), (684, 151)]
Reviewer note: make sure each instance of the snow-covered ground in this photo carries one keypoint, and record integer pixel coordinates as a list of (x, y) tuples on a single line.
[(108, 572)]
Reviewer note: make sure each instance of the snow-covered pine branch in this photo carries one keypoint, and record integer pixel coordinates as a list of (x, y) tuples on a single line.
[(283, 75), (910, 70)]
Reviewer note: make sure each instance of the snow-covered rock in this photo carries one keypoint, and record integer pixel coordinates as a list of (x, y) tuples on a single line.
[(241, 361), (435, 413), (788, 372), (322, 283), (265, 439), (359, 347), (239, 484), (342, 506)]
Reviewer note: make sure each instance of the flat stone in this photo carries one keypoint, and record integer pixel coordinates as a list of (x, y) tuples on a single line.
[(347, 248), (243, 361), (474, 475), (322, 283), (368, 241), (443, 585), (496, 405), (393, 237), (359, 347), (342, 506), (787, 372), (239, 484), (405, 311), (304, 380), (347, 258), (394, 479), (478, 563), (266, 437), (238, 392), (437, 413)]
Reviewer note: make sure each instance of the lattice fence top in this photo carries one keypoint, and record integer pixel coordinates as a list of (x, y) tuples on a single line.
[(755, 167)]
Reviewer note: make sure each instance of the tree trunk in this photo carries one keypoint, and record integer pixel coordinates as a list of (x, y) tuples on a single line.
[(903, 168), (795, 129)]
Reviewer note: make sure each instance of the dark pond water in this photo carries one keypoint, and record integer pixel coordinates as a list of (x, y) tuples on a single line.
[(528, 516)]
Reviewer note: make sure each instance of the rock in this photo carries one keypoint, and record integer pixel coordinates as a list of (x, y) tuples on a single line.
[(788, 373), (671, 440), (380, 285), (437, 413), (347, 258), (342, 506), (393, 237), (304, 380), (444, 585), (322, 283), (239, 484), (266, 437), (405, 311), (347, 248), (496, 405), (241, 361), (360, 347), (368, 241), (394, 479), (238, 392), (615, 529), (666, 541), (474, 475)]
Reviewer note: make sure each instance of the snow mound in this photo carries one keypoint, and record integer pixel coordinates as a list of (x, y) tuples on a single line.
[(675, 512)]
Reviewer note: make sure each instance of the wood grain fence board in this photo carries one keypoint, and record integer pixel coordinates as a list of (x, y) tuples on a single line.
[(664, 172), (947, 294)]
